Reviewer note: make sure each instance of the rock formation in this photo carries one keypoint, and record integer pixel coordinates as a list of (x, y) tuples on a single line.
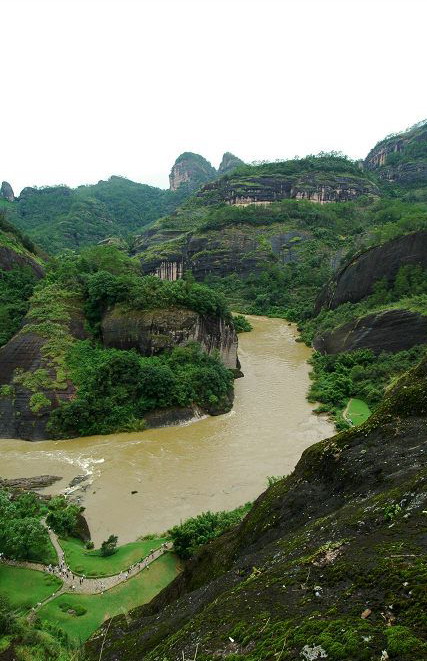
[(30, 385), (191, 170), (357, 278), (229, 163), (11, 258), (401, 158), (152, 331), (6, 192), (389, 330), (259, 189)]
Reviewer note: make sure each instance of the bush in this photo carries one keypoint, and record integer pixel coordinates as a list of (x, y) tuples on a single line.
[(193, 533), (241, 324)]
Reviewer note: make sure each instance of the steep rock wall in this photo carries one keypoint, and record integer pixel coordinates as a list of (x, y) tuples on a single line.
[(9, 259), (266, 189), (152, 331), (356, 280), (390, 330), (26, 370)]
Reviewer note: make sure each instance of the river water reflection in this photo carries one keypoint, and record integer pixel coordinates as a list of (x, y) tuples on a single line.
[(214, 463)]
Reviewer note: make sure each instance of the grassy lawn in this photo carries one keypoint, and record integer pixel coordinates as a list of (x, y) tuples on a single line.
[(91, 563), (134, 592), (26, 587), (357, 411)]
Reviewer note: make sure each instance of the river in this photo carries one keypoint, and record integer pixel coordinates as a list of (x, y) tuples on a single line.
[(214, 463)]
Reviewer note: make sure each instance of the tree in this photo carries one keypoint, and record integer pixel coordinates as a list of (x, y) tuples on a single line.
[(109, 547), (23, 539)]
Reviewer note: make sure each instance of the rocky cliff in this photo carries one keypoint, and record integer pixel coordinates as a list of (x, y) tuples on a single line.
[(153, 331), (357, 278), (6, 192), (330, 563), (317, 187), (32, 377), (237, 249), (190, 170), (389, 330), (401, 158), (228, 163)]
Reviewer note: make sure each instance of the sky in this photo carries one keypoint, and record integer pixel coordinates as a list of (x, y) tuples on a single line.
[(94, 88)]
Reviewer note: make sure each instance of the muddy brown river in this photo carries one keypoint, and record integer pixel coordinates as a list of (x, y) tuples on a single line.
[(213, 463)]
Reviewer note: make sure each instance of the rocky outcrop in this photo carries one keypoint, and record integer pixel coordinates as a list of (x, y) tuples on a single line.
[(153, 331), (6, 192), (229, 163), (235, 249), (190, 170), (357, 278), (389, 330), (327, 564), (29, 382), (10, 259), (312, 186), (29, 483), (401, 158)]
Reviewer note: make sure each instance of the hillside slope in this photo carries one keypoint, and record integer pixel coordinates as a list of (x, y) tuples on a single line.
[(331, 558)]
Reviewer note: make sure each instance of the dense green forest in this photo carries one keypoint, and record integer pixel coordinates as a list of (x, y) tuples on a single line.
[(59, 217)]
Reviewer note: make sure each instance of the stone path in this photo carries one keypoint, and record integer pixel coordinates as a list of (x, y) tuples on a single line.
[(79, 584)]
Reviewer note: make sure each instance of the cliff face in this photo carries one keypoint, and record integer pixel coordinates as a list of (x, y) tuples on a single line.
[(390, 330), (31, 383), (328, 564), (321, 188), (152, 331), (229, 250), (191, 170), (229, 162), (10, 259), (6, 192), (401, 158), (357, 278)]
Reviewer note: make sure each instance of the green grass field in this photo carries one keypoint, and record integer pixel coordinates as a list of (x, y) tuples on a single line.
[(357, 411), (26, 587), (134, 592), (91, 563)]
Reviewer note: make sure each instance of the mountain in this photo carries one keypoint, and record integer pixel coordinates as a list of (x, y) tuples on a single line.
[(289, 221), (6, 192), (229, 163), (329, 563), (401, 160), (190, 171), (322, 241), (58, 217)]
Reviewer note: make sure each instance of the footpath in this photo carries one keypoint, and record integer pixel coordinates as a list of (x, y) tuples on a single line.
[(80, 584)]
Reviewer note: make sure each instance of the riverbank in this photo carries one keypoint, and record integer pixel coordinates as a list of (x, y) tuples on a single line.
[(147, 482)]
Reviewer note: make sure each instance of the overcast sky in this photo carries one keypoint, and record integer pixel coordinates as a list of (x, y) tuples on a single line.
[(92, 88)]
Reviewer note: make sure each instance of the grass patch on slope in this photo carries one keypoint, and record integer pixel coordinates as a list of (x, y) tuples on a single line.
[(92, 563), (134, 592)]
